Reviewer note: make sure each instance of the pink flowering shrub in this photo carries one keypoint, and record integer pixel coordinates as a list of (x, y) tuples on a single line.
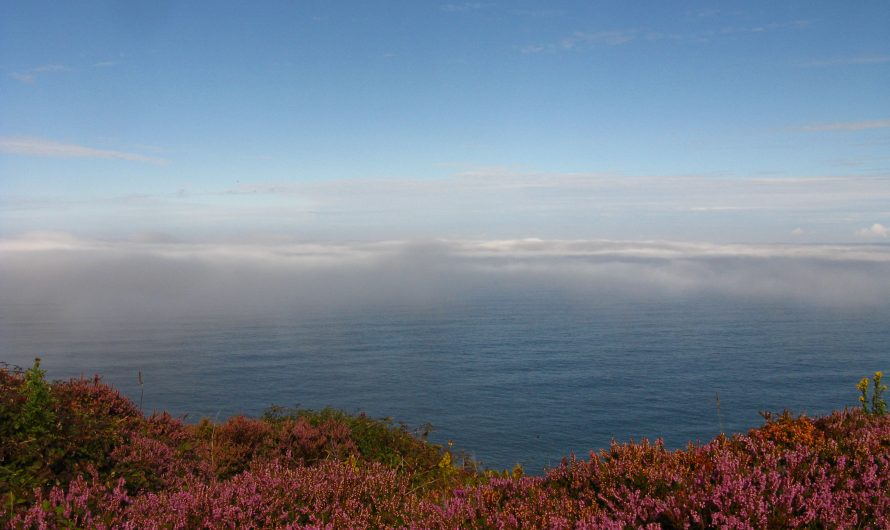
[(744, 482), (99, 463), (330, 494), (54, 433), (231, 446), (302, 442), (82, 503)]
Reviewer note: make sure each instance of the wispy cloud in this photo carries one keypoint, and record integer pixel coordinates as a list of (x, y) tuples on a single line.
[(847, 126), (32, 75), (39, 147), (24, 78), (29, 76), (465, 6), (704, 13), (583, 40), (723, 208), (846, 61), (759, 28), (534, 48), (617, 37), (608, 38), (539, 13)]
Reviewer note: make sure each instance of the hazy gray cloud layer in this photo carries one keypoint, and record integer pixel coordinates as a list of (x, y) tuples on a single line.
[(487, 203), (152, 277)]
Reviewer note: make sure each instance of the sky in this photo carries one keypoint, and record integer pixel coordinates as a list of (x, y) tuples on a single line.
[(323, 121)]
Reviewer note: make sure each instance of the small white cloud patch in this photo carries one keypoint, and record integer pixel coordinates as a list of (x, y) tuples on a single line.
[(875, 230)]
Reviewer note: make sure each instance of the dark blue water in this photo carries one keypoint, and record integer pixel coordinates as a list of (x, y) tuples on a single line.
[(523, 378)]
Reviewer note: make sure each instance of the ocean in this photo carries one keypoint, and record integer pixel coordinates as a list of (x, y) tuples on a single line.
[(527, 377)]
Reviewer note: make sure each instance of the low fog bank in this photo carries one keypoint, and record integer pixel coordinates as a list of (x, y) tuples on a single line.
[(160, 278)]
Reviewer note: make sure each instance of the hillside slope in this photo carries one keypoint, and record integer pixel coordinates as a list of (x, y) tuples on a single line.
[(78, 454)]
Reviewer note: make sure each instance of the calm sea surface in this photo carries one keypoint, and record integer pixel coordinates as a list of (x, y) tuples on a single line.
[(510, 378)]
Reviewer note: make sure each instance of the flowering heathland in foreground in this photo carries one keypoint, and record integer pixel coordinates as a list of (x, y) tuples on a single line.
[(78, 454)]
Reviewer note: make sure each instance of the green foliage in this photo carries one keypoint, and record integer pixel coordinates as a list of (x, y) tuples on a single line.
[(876, 405), (29, 418), (36, 417), (51, 433)]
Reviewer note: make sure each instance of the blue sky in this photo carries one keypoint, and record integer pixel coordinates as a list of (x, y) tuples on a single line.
[(695, 121)]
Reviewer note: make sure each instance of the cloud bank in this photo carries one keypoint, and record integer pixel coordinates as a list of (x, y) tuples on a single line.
[(152, 277)]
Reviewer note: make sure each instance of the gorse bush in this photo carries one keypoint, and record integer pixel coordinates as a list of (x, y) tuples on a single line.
[(87, 458), (878, 405)]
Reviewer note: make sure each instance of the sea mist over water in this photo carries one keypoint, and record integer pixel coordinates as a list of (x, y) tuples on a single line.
[(520, 350), (166, 279)]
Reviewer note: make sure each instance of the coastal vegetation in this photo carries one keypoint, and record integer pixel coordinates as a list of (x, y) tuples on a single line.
[(78, 454)]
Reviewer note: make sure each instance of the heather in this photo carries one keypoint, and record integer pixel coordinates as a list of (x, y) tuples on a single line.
[(78, 454)]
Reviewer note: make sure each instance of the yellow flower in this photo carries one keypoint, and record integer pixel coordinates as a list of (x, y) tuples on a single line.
[(863, 385), (353, 462)]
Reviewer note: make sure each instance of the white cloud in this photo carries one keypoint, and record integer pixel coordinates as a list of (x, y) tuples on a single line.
[(29, 76), (797, 231), (27, 146), (875, 230), (848, 126)]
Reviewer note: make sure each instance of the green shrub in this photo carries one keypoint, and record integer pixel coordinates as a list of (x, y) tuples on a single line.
[(30, 428), (36, 417)]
